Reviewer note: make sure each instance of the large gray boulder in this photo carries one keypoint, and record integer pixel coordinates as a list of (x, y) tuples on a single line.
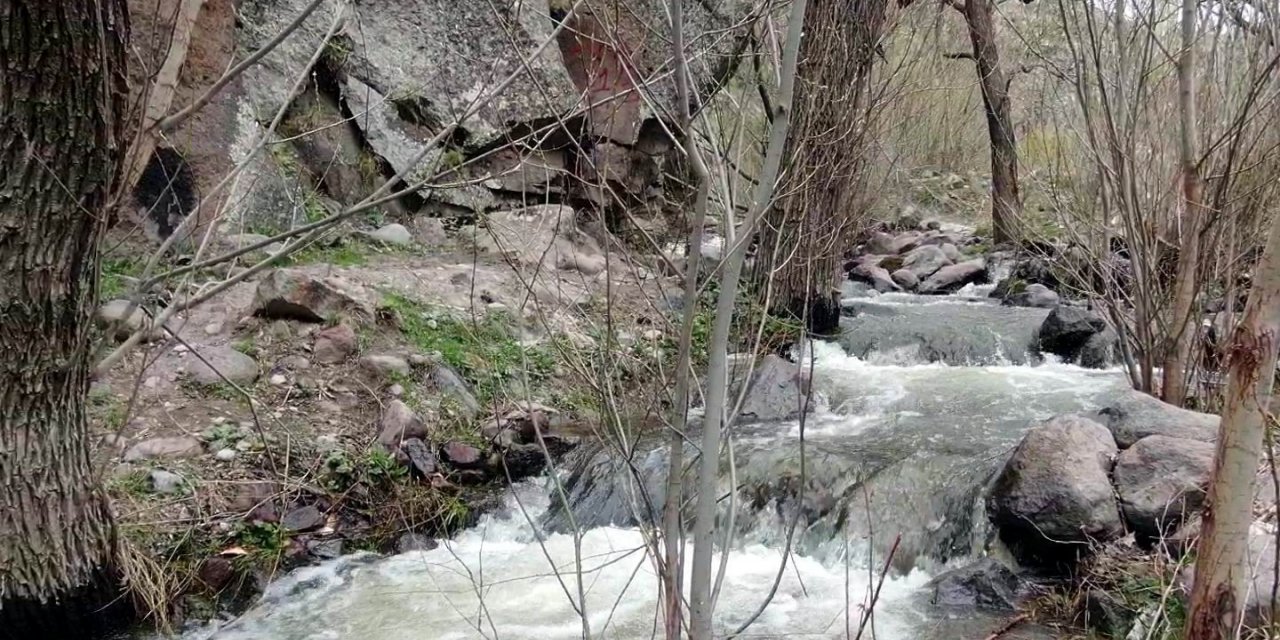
[(216, 365), (264, 197), (543, 237), (298, 295), (435, 56), (925, 261), (777, 391), (1054, 497), (1161, 480), (954, 277), (1135, 415)]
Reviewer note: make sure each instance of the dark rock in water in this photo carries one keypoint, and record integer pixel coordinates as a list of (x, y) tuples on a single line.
[(1035, 269), (165, 193), (1160, 481), (524, 460), (985, 583), (1054, 496), (1099, 351), (1136, 415), (1067, 329), (1105, 614), (461, 455), (1033, 295), (422, 460), (415, 542), (777, 392), (953, 277), (302, 519)]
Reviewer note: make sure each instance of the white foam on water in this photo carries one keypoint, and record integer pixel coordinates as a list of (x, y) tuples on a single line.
[(498, 580)]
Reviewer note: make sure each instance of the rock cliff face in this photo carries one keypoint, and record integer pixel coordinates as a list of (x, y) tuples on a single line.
[(501, 101)]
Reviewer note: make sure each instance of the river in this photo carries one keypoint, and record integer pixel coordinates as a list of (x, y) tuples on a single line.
[(917, 406)]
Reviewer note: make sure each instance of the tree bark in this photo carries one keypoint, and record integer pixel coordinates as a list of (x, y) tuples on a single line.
[(803, 240), (63, 95), (1006, 203), (1182, 329), (1221, 567)]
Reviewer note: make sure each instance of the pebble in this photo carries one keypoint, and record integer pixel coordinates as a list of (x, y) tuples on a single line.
[(278, 379), (225, 455), (396, 390)]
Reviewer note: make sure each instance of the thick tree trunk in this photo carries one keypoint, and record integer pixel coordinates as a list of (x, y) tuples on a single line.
[(1222, 571), (1006, 203), (1182, 330), (802, 244), (63, 93)]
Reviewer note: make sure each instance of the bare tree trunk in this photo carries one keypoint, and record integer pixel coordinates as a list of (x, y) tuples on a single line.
[(700, 582), (1006, 203), (1182, 330), (672, 523), (63, 93), (1221, 567), (816, 222)]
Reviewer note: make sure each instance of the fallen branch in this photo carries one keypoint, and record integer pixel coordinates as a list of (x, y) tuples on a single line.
[(1008, 626)]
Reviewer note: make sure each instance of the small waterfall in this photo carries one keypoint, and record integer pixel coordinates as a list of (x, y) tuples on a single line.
[(917, 405)]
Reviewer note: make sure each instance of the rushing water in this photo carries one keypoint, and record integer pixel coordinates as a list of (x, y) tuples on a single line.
[(901, 444)]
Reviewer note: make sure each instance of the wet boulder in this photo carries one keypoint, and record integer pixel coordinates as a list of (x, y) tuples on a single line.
[(1099, 351), (985, 583), (1053, 498), (777, 392), (1066, 330), (1161, 480)]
